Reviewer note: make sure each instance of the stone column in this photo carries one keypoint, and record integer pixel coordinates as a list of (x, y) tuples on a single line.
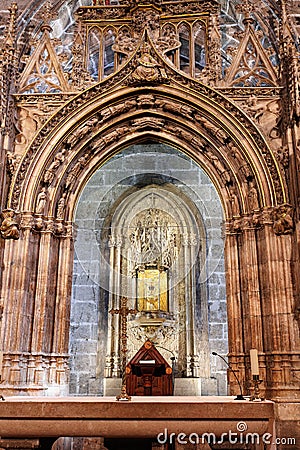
[(63, 293), (234, 304), (188, 301), (16, 295), (281, 333), (42, 330), (250, 286)]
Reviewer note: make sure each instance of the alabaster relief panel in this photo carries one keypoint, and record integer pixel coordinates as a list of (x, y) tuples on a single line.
[(104, 266)]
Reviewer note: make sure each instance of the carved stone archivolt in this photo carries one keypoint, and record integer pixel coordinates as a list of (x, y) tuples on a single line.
[(212, 141)]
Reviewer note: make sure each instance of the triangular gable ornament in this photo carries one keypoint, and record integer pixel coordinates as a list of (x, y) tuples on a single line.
[(43, 73), (251, 65)]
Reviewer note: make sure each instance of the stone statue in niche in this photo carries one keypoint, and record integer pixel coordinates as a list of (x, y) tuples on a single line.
[(252, 196), (168, 41), (41, 201), (61, 205), (9, 228), (234, 202)]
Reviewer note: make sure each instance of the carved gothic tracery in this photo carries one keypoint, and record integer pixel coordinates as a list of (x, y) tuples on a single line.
[(155, 240)]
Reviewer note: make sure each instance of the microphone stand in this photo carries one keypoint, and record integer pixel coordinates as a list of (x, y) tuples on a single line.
[(239, 396)]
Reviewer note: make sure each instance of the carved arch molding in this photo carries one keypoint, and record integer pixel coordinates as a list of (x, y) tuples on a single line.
[(108, 117), (124, 109)]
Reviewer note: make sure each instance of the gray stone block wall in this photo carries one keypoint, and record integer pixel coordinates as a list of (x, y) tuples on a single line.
[(138, 165)]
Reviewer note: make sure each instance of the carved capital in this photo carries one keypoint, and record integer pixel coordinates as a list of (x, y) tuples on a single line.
[(9, 228), (283, 219)]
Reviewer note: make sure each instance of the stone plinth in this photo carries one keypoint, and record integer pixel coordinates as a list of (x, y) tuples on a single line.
[(143, 417)]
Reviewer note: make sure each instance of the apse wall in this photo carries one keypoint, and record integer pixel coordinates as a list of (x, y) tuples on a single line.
[(133, 168)]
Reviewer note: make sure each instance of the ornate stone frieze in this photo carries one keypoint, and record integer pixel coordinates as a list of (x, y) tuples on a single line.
[(32, 371), (279, 217), (99, 13), (147, 122), (189, 7), (245, 92)]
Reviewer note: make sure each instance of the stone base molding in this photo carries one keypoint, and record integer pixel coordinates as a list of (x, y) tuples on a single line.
[(34, 374)]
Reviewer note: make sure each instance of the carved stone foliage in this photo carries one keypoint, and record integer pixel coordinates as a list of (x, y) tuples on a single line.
[(190, 7), (154, 238)]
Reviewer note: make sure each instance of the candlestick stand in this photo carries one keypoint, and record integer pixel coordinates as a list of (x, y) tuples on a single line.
[(256, 394), (123, 311)]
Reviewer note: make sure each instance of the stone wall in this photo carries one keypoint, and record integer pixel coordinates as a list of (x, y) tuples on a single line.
[(136, 166)]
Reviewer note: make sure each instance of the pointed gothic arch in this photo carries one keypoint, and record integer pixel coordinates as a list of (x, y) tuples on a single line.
[(130, 106)]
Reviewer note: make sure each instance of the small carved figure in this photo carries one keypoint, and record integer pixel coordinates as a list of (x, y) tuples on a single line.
[(215, 130), (235, 207), (282, 154), (255, 109), (9, 228), (82, 130), (11, 163), (148, 68), (73, 174), (118, 109), (252, 196), (175, 108), (50, 172), (41, 201), (61, 206), (124, 43), (26, 125), (283, 220), (215, 161)]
